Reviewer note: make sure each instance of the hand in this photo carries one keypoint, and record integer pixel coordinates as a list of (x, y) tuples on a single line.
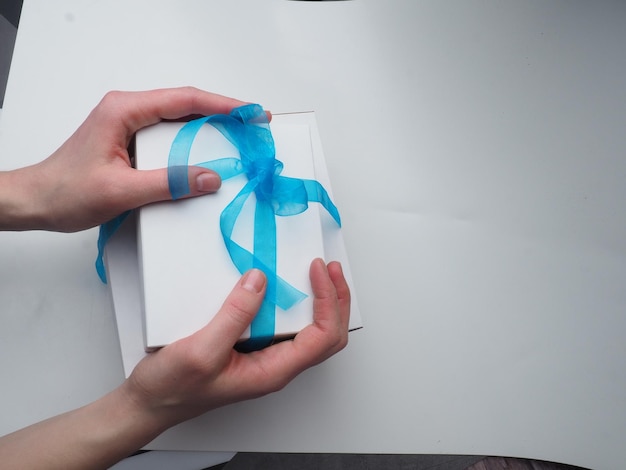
[(89, 179), (203, 371), (187, 378)]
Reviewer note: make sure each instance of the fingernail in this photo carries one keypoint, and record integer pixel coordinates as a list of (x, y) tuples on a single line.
[(320, 262), (336, 265), (253, 281), (208, 182)]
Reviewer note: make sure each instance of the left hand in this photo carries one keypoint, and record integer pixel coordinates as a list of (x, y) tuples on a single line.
[(89, 179)]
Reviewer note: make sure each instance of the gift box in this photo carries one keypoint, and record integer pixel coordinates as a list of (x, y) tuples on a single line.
[(186, 262)]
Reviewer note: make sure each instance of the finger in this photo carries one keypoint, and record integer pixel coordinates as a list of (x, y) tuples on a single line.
[(326, 302), (335, 271), (329, 331), (327, 335), (143, 108), (237, 312), (146, 186)]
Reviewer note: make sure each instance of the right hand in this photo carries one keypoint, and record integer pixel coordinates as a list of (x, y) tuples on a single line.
[(203, 371)]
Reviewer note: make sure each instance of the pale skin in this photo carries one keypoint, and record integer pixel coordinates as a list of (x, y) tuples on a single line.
[(89, 180)]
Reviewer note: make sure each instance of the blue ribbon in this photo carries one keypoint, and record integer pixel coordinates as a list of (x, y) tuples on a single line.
[(106, 232), (247, 128)]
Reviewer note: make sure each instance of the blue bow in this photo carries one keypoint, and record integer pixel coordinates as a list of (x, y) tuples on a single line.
[(247, 128)]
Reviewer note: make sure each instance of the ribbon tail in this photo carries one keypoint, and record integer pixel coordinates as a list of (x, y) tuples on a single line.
[(317, 193), (264, 323), (285, 295), (107, 230)]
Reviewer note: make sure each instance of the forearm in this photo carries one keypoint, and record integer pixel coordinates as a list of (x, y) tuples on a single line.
[(95, 436), (18, 191)]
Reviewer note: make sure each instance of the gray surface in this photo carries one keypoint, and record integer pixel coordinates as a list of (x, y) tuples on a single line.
[(253, 461), (11, 10), (7, 41)]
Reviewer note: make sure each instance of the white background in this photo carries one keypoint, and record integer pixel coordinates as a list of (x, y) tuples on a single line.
[(476, 152)]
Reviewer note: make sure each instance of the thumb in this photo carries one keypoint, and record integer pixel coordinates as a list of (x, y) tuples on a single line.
[(239, 309), (153, 185)]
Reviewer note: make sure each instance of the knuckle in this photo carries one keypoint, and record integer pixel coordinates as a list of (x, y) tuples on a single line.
[(266, 389), (273, 385), (267, 382), (278, 385), (339, 340), (192, 90), (330, 341), (194, 359), (110, 104), (346, 295), (190, 94), (111, 98), (344, 341)]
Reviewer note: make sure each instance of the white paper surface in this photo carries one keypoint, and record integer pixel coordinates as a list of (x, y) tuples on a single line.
[(490, 259)]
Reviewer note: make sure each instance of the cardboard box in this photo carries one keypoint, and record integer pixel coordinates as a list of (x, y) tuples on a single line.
[(185, 270)]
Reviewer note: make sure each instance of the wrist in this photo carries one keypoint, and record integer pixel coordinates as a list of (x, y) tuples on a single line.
[(95, 436), (158, 413), (112, 428), (141, 420), (18, 196)]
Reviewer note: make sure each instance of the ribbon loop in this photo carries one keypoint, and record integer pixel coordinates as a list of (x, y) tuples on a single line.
[(290, 196)]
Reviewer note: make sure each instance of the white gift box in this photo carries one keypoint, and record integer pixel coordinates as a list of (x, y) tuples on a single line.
[(185, 271)]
